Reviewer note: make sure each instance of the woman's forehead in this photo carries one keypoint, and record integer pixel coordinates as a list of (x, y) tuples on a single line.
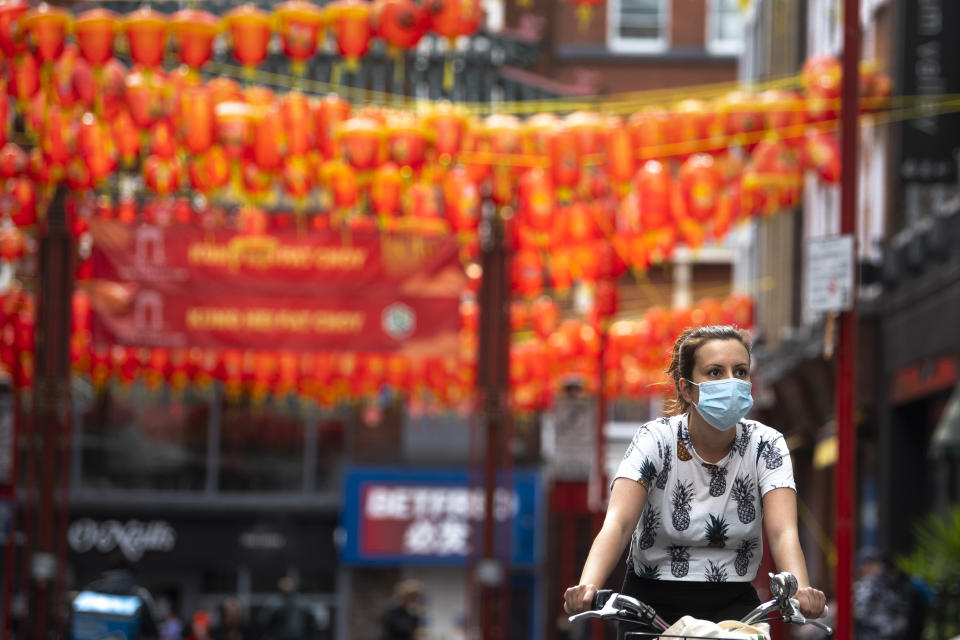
[(730, 351)]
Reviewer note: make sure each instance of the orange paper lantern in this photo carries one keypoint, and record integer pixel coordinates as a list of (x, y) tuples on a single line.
[(298, 23), (194, 32), (249, 29), (146, 32)]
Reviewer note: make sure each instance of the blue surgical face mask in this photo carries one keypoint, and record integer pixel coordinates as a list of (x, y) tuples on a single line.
[(723, 403)]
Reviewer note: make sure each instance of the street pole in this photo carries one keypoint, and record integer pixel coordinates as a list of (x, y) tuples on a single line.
[(51, 407), (492, 383), (846, 342)]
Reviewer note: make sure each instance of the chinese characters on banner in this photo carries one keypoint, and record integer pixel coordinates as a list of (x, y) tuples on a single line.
[(184, 287)]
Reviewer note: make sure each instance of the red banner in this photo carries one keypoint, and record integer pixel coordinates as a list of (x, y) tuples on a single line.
[(418, 265), (179, 287)]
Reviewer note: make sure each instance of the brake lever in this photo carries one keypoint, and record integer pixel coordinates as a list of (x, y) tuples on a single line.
[(608, 610)]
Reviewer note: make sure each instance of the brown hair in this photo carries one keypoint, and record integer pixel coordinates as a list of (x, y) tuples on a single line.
[(684, 357)]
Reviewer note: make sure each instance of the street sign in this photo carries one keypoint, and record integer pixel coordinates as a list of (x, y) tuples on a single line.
[(829, 274)]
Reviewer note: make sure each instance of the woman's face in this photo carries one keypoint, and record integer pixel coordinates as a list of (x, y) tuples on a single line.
[(716, 360)]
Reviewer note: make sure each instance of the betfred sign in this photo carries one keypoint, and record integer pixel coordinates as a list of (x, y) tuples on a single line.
[(403, 517)]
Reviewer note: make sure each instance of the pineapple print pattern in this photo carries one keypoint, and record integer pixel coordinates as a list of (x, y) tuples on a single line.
[(770, 453), (651, 524), (665, 470), (683, 443), (679, 560), (744, 554), (716, 532), (743, 439), (648, 471), (682, 497), (703, 521), (718, 480), (715, 572), (742, 494), (650, 572)]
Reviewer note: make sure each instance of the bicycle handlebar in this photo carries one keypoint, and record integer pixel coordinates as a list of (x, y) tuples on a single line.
[(607, 604)]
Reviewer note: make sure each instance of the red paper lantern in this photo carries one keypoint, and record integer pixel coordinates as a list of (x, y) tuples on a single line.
[(536, 201), (823, 154), (362, 142), (95, 31), (13, 160), (565, 161), (249, 29), (297, 177), (821, 76), (454, 18), (783, 114), (22, 197), (234, 122), (407, 142), (422, 208), (24, 79), (126, 136), (11, 44), (146, 32), (56, 139), (161, 175), (145, 97), (448, 124), (462, 200), (195, 119), (341, 179), (194, 32), (545, 316), (386, 188), (700, 185), (400, 23), (687, 131), (527, 273), (298, 123), (110, 88), (328, 113), (350, 21), (13, 244), (267, 138), (620, 154), (653, 185), (210, 170), (740, 119), (95, 143), (298, 23), (46, 27)]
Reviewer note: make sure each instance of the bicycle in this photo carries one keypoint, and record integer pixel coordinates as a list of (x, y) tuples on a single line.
[(609, 605)]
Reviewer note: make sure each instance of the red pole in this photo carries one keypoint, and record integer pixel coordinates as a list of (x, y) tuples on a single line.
[(846, 343)]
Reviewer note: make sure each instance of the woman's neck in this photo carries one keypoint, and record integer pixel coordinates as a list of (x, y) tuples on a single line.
[(711, 444)]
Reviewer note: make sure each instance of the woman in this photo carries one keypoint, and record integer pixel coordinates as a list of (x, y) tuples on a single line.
[(692, 490)]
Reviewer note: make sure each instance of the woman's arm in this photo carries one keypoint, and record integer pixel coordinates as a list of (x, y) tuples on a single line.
[(626, 504), (780, 522)]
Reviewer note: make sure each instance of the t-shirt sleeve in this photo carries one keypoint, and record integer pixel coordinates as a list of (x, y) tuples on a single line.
[(774, 467), (642, 460)]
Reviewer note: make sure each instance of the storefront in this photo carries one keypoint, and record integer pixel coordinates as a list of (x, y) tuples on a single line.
[(192, 559), (426, 524)]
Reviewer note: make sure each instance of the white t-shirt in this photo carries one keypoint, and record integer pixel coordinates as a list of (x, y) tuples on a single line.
[(702, 521)]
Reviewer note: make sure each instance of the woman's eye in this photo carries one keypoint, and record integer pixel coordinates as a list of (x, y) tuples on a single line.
[(742, 373)]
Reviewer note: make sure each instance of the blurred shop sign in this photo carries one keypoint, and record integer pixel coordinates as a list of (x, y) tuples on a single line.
[(929, 71), (829, 274), (569, 438), (394, 517), (132, 537)]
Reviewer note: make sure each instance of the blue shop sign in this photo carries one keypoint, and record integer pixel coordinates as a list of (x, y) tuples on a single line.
[(426, 517)]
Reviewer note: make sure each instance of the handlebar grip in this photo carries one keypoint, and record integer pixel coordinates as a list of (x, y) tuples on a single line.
[(600, 598)]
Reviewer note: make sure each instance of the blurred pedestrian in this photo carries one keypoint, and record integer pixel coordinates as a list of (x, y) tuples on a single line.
[(199, 628), (404, 619), (118, 580), (886, 605), (170, 627), (233, 624), (291, 620)]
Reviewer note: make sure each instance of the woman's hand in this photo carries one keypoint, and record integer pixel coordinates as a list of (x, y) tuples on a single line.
[(812, 602), (579, 598)]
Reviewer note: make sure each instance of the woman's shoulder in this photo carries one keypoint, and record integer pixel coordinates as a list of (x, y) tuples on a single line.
[(662, 427)]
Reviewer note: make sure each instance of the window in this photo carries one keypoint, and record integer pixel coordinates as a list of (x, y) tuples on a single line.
[(724, 27), (638, 25)]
